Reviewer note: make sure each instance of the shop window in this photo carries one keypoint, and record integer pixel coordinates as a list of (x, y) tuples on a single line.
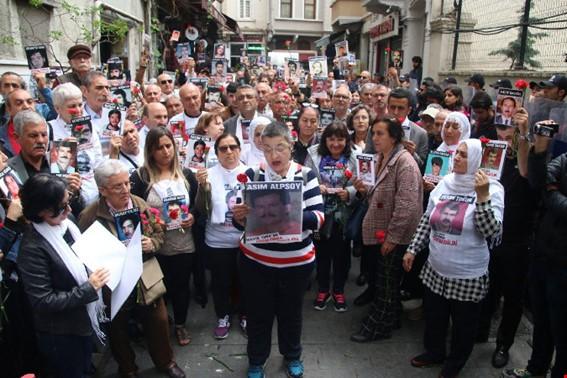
[(309, 9), (286, 10)]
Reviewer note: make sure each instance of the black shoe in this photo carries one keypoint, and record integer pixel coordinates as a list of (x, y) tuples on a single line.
[(361, 280), (425, 360), (500, 357), (366, 297), (363, 336)]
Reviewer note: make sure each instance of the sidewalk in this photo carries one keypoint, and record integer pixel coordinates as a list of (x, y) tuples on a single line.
[(328, 352)]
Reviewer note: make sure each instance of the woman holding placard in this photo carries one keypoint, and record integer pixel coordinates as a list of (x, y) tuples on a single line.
[(113, 181), (333, 162), (165, 186), (216, 197), (267, 268), (464, 209), (66, 300), (394, 209)]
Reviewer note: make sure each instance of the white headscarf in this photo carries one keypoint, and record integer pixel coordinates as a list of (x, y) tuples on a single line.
[(464, 128), (461, 183), (254, 157)]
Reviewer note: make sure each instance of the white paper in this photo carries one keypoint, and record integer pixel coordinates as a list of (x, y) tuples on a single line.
[(131, 273), (98, 248)]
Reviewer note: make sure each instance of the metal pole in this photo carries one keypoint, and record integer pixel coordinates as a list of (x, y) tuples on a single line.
[(458, 26), (524, 38)]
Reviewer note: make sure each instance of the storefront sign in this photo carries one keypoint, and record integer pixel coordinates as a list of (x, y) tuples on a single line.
[(385, 29), (247, 38)]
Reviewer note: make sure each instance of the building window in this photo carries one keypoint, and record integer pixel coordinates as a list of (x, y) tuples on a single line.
[(309, 10), (244, 8), (285, 8)]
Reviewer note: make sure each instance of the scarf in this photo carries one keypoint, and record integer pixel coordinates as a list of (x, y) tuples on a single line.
[(459, 183), (54, 236), (254, 157), (464, 128)]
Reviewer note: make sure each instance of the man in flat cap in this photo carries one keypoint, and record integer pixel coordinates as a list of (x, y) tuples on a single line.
[(80, 60)]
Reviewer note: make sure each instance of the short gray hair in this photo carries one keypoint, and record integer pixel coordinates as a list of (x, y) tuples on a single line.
[(90, 77), (64, 92), (108, 168), (26, 117), (276, 129), (368, 87), (10, 73)]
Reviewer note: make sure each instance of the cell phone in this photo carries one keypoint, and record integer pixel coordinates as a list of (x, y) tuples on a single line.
[(546, 129)]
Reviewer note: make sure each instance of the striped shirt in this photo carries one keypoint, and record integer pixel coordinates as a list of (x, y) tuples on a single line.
[(288, 254)]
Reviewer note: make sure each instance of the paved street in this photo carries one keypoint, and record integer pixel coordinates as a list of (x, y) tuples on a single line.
[(327, 349)]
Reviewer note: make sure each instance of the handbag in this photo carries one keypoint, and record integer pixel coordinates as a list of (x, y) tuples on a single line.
[(151, 286), (353, 228)]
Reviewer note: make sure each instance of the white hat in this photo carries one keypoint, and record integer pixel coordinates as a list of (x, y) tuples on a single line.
[(431, 112)]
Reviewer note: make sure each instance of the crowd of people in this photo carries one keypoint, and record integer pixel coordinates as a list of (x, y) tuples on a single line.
[(459, 243)]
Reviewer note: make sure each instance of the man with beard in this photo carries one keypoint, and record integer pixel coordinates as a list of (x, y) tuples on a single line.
[(380, 95), (96, 92), (80, 61)]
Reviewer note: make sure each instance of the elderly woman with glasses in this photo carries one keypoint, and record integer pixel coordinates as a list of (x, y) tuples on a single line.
[(68, 101), (165, 186), (275, 274), (308, 120), (216, 197), (113, 180), (65, 299)]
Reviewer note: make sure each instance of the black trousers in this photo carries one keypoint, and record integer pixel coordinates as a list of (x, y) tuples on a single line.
[(68, 356), (332, 253), (177, 275), (541, 284), (222, 263), (273, 293), (464, 317), (508, 272)]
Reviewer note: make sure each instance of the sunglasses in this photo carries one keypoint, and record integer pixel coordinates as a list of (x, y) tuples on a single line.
[(166, 81), (61, 209), (310, 105), (232, 147)]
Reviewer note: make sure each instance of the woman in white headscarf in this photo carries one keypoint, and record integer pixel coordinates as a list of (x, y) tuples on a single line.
[(255, 155), (464, 209), (455, 129)]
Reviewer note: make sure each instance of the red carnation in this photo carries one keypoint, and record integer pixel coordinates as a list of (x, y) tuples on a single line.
[(185, 208), (387, 49), (348, 174), (136, 90), (521, 84), (74, 112), (79, 128), (242, 178), (115, 100), (380, 236), (174, 214), (484, 140), (154, 211), (340, 165)]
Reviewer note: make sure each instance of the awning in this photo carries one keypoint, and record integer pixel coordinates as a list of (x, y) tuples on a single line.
[(232, 25), (323, 41)]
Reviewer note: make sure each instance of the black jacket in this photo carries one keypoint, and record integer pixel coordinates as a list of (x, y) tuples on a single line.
[(551, 238), (58, 303)]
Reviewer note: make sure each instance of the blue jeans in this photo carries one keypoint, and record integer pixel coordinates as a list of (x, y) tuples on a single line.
[(68, 356)]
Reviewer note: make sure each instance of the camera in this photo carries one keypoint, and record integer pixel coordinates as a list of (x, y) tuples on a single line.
[(546, 128)]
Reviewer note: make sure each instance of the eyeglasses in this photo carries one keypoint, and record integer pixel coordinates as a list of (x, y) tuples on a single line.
[(279, 149), (341, 97), (232, 147), (310, 105), (120, 188), (166, 81), (61, 209)]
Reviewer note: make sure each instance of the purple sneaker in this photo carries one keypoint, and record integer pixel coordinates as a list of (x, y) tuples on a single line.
[(221, 331)]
